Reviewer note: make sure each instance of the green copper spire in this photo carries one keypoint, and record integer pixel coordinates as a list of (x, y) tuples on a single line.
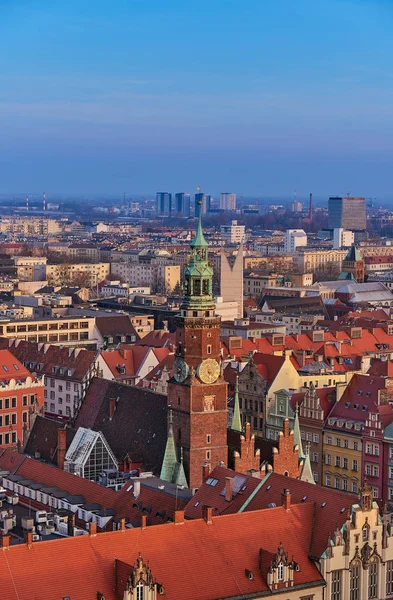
[(306, 472), (180, 476), (199, 239), (198, 277), (170, 459), (236, 420), (297, 438)]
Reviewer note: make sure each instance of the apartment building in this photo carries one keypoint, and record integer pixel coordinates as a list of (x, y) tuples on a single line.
[(88, 274), (21, 394), (30, 268), (29, 226), (65, 331), (65, 372), (158, 277), (306, 261)]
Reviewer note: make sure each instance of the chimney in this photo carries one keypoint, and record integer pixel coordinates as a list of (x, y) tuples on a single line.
[(112, 407), (5, 541), (228, 489), (144, 521), (137, 488), (61, 447), (205, 471), (92, 528), (28, 538), (70, 524), (286, 499), (207, 514), (122, 524), (179, 517)]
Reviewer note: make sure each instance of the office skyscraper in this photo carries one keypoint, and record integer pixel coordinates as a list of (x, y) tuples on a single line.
[(182, 205), (347, 213), (205, 206), (163, 204), (227, 201)]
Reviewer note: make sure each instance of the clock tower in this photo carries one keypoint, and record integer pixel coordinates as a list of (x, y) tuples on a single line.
[(197, 392)]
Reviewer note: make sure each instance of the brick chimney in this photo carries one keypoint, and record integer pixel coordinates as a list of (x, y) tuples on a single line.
[(112, 407), (179, 517), (5, 541), (205, 471), (28, 536), (122, 524), (61, 447), (207, 514), (228, 489), (92, 528), (286, 499), (144, 521)]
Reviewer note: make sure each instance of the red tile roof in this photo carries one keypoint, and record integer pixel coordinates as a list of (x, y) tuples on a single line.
[(190, 560), (11, 367), (326, 518), (45, 357), (122, 502)]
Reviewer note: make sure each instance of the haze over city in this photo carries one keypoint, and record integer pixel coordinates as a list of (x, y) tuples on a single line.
[(259, 97)]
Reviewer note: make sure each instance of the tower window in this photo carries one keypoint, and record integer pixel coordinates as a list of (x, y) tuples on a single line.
[(209, 349), (208, 438), (178, 400), (208, 455), (194, 313)]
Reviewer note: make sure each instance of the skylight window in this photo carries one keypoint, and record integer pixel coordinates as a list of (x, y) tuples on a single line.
[(5, 368), (16, 367)]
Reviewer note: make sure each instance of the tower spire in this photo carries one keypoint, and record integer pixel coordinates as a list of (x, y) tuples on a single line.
[(170, 459), (297, 438), (236, 420)]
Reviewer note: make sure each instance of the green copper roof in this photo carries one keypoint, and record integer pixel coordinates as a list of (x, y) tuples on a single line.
[(199, 239), (170, 459), (346, 275), (306, 473), (179, 475), (236, 420), (297, 438)]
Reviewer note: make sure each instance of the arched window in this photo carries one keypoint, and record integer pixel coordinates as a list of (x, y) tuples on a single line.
[(280, 572), (354, 583), (140, 591)]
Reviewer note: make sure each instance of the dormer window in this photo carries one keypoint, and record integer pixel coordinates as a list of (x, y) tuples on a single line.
[(280, 572)]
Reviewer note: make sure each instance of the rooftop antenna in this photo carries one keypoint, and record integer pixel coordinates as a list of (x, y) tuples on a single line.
[(44, 202), (27, 203), (310, 209)]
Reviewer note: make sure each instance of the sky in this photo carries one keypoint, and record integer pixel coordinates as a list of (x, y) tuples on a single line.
[(257, 97)]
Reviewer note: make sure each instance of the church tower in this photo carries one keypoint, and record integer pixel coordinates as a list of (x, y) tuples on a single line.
[(197, 392)]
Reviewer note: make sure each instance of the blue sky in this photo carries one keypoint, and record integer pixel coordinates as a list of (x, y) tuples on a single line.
[(259, 97)]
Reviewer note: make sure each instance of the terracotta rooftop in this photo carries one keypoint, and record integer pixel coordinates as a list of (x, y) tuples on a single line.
[(185, 560)]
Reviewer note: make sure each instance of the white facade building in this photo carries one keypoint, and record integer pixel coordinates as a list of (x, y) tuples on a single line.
[(343, 238), (227, 201), (233, 233), (294, 238)]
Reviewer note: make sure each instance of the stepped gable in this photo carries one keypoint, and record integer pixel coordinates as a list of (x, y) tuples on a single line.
[(138, 425)]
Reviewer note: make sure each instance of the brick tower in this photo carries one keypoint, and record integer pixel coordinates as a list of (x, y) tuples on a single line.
[(197, 392)]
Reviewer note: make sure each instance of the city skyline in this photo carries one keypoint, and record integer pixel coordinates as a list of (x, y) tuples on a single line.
[(262, 99)]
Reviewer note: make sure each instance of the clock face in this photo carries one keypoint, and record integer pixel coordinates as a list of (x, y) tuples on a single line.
[(180, 369), (208, 370)]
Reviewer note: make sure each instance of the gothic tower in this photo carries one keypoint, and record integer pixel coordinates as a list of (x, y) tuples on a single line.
[(197, 392)]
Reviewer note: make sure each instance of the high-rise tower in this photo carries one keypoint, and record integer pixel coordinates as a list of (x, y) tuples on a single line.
[(197, 393)]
